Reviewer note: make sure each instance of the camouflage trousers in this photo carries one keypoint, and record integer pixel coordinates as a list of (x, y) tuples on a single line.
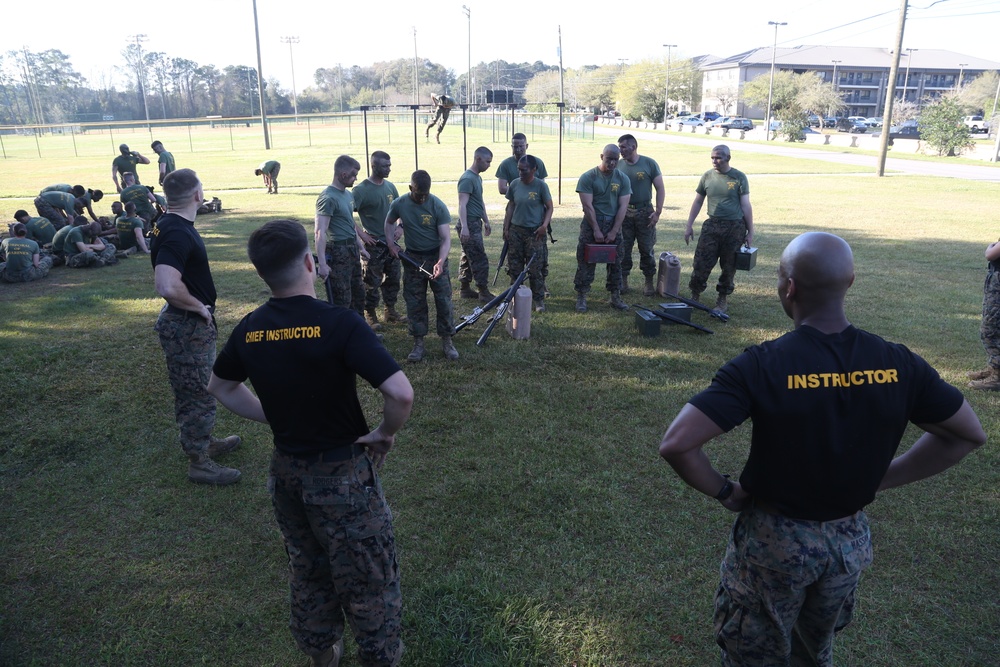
[(636, 229), (380, 272), (415, 295), (81, 260), (718, 242), (523, 244), (787, 586), (989, 329), (585, 272), (51, 213), (337, 530), (440, 119), (29, 274), (474, 266), (345, 275), (188, 344)]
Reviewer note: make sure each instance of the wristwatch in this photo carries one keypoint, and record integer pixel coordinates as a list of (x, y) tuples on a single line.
[(725, 491)]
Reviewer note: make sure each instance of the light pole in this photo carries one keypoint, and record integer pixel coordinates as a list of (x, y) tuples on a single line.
[(260, 80), (770, 86), (291, 59), (961, 71), (139, 39), (468, 79), (906, 78), (666, 88), (416, 78)]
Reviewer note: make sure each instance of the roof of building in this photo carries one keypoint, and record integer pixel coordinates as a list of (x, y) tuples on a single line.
[(818, 57)]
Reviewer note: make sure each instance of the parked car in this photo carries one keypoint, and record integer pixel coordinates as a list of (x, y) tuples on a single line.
[(908, 130), (709, 115), (976, 124), (690, 120), (859, 119), (719, 121), (738, 124), (853, 126), (829, 121), (814, 121), (874, 121)]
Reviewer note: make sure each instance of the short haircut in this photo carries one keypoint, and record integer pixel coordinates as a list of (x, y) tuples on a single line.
[(80, 221), (276, 251), (483, 152), (96, 195), (123, 148), (529, 160), (421, 180), (345, 163), (724, 149), (179, 186), (519, 135), (257, 172), (19, 229), (629, 138), (21, 213), (116, 206), (155, 144), (78, 191), (94, 228), (380, 155), (130, 208)]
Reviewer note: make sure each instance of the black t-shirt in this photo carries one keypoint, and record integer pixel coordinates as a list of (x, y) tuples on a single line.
[(828, 414), (177, 243), (302, 357)]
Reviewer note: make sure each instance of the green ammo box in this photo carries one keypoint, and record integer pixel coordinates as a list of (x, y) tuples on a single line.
[(647, 323), (681, 310)]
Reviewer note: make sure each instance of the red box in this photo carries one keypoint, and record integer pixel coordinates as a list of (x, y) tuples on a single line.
[(600, 253)]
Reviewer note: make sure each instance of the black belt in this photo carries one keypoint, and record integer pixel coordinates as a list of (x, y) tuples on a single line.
[(342, 243), (174, 310), (604, 218), (330, 455), (642, 205), (714, 219)]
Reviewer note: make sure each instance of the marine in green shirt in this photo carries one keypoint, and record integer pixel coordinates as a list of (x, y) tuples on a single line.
[(39, 230), (126, 163), (166, 161)]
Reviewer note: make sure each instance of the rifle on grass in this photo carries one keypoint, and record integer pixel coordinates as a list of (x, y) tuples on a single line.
[(700, 306), (664, 315), (480, 310), (505, 303), (406, 258), (503, 258)]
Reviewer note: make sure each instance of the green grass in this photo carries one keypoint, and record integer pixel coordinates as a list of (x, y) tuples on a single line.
[(535, 523)]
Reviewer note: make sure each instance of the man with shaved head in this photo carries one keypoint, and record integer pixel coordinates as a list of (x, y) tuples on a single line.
[(829, 405)]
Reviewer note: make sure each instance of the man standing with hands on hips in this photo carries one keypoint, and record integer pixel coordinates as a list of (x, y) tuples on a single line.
[(186, 327), (729, 225)]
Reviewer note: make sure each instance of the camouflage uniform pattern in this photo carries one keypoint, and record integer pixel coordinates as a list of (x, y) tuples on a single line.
[(787, 586), (718, 242), (524, 243), (345, 275), (585, 272), (338, 534), (50, 213), (188, 344), (635, 229), (87, 258), (415, 295), (380, 272), (474, 266), (30, 273), (989, 329)]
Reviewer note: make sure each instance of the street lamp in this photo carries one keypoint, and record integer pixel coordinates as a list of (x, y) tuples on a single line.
[(906, 79), (291, 59), (961, 71), (770, 87), (416, 78), (139, 39), (468, 77), (666, 88), (623, 61)]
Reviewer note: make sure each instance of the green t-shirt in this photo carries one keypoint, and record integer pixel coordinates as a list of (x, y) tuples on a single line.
[(723, 192), (40, 230), (269, 166), (420, 222), (58, 187), (75, 236), (20, 254), (471, 184), (126, 231), (339, 206), (138, 195), (641, 176), (606, 189), (60, 238), (508, 169), (372, 202), (167, 158), (61, 200), (529, 202), (126, 163)]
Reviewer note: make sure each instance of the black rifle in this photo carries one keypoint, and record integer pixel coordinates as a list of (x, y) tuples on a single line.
[(700, 306), (326, 281), (503, 258), (664, 315), (505, 303), (406, 258), (480, 310)]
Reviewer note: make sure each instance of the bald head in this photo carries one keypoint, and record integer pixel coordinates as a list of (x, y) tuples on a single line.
[(609, 158), (815, 272)]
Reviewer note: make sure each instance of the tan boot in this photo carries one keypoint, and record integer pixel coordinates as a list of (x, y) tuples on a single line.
[(450, 353), (372, 317), (616, 301), (979, 375), (207, 471), (219, 446), (485, 295), (989, 383), (393, 316), (417, 354), (467, 292), (720, 303), (648, 289)]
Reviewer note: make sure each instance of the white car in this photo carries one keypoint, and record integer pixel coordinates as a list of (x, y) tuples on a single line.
[(874, 121), (719, 121), (690, 120), (858, 119)]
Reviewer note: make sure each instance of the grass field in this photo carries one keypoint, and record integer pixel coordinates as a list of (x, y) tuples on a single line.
[(535, 523)]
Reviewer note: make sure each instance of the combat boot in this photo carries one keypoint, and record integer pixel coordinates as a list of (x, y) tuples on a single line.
[(372, 317), (648, 289), (331, 656), (467, 292), (720, 303), (219, 446), (625, 287), (485, 295), (581, 302), (394, 316), (695, 296), (450, 353), (989, 383), (616, 301), (207, 471), (417, 354), (979, 375)]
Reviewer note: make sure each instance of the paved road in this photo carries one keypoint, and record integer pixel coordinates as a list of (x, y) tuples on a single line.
[(964, 170)]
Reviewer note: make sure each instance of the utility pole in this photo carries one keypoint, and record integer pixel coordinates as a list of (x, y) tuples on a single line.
[(890, 95), (666, 87), (291, 59), (836, 84), (139, 39), (906, 79), (468, 77), (770, 87), (260, 81), (416, 78)]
